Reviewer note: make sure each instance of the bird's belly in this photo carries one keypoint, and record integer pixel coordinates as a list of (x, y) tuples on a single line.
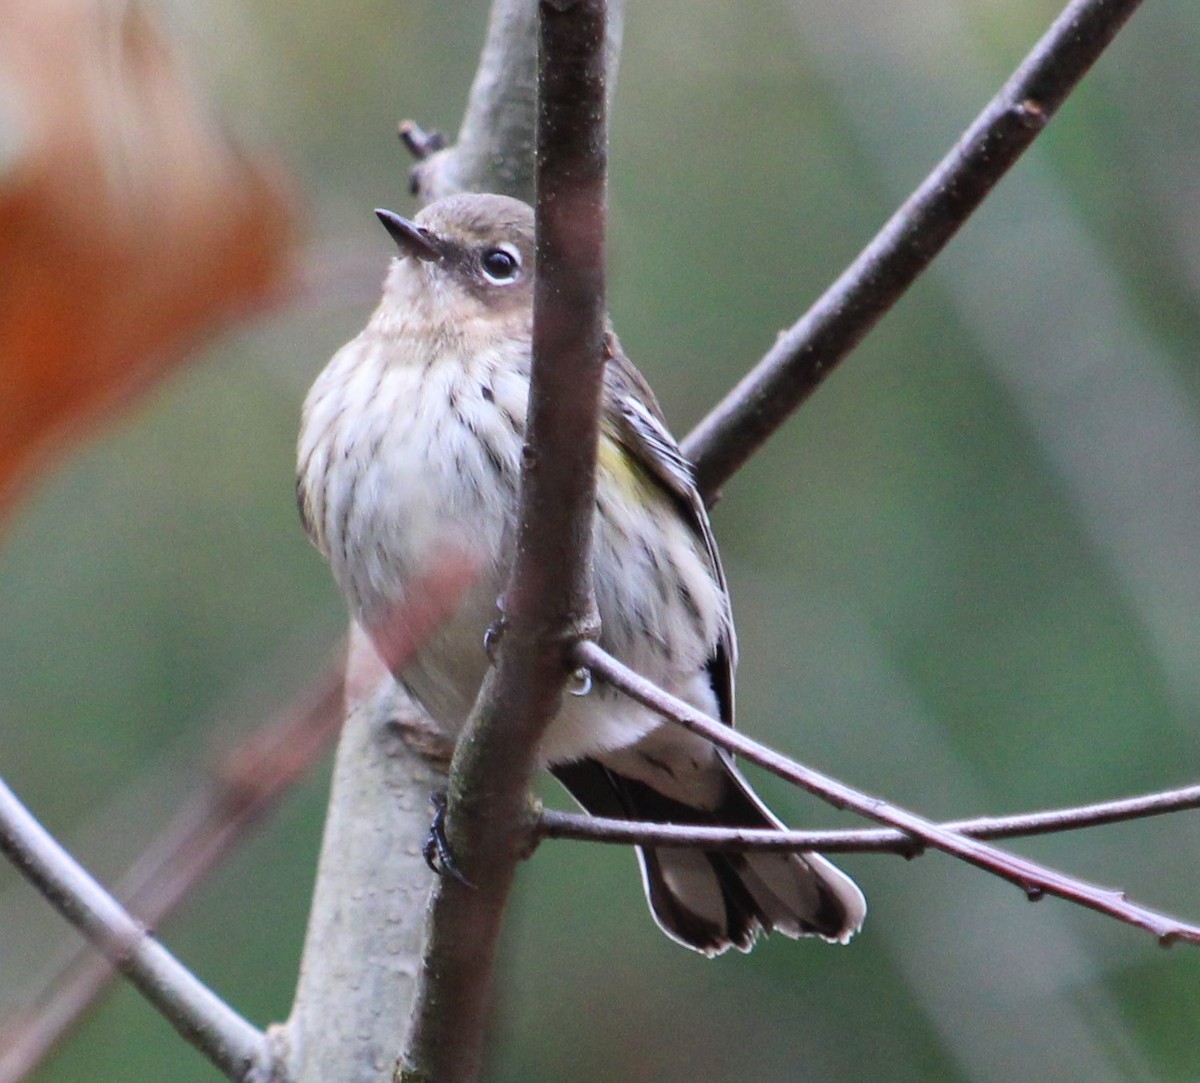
[(424, 575), (436, 647), (444, 675), (420, 540)]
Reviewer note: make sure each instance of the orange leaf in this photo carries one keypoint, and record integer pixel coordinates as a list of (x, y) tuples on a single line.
[(130, 223)]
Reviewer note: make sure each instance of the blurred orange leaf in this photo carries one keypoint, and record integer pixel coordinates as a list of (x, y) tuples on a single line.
[(130, 223)]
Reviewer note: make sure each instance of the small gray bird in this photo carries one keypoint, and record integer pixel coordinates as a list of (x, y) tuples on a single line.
[(410, 451)]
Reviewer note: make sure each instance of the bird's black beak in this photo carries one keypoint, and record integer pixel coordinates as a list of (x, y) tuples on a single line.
[(413, 240)]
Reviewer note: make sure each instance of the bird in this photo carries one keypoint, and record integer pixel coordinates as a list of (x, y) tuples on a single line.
[(410, 449)]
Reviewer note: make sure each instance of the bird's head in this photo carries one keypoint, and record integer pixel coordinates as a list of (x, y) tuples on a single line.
[(463, 258)]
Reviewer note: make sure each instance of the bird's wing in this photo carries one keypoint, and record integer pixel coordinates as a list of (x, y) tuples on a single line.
[(635, 420)]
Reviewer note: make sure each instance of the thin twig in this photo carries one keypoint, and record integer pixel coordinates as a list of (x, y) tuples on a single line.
[(807, 352), (235, 1046), (569, 825), (1034, 879), (548, 600), (420, 143), (250, 780)]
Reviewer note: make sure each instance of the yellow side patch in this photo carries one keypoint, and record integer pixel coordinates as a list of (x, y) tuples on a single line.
[(625, 474)]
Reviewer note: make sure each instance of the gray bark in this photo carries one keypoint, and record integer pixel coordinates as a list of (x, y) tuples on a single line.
[(365, 931)]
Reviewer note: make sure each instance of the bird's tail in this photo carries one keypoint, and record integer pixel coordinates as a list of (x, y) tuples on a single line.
[(711, 900)]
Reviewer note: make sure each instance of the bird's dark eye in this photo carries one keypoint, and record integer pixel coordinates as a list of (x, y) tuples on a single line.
[(501, 264)]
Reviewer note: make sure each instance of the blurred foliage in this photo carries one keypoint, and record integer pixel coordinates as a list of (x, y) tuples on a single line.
[(964, 576), (129, 222)]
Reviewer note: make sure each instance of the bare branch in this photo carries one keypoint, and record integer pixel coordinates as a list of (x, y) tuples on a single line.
[(236, 1047), (495, 147), (366, 926), (251, 779), (1032, 878), (494, 151), (569, 825), (548, 602), (347, 1021), (808, 351)]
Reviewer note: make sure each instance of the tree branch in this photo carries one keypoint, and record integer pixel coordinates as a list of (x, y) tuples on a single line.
[(808, 351), (1032, 878), (347, 1020), (494, 151), (236, 1047), (548, 602), (250, 780), (568, 825), (365, 929)]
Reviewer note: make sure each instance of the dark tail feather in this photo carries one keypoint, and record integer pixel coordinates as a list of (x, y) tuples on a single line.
[(710, 900)]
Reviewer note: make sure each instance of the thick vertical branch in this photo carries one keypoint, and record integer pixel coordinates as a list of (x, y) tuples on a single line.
[(367, 838), (365, 930), (495, 149), (547, 604)]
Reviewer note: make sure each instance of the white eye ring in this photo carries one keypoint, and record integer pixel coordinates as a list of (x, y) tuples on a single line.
[(501, 264)]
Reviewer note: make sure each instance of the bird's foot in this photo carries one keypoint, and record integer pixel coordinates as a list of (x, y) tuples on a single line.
[(436, 850)]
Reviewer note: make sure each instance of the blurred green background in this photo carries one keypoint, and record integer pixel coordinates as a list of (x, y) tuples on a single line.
[(965, 575)]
